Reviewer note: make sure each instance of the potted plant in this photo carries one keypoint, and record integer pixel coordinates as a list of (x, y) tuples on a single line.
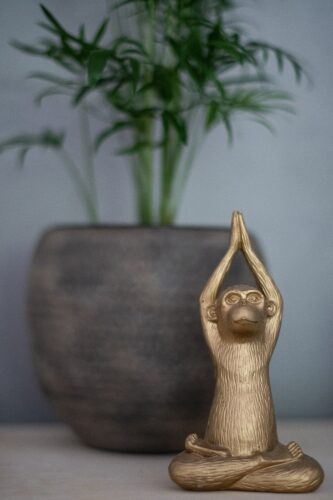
[(113, 310)]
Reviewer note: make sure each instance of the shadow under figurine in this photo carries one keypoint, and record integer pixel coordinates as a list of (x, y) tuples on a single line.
[(240, 450)]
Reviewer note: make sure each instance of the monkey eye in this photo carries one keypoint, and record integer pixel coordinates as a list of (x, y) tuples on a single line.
[(232, 298), (253, 298)]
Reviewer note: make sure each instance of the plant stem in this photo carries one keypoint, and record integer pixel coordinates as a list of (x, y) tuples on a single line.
[(79, 184), (177, 196), (88, 159), (150, 31), (164, 182), (170, 157), (183, 174), (143, 169)]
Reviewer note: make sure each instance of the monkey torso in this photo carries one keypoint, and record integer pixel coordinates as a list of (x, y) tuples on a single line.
[(242, 413)]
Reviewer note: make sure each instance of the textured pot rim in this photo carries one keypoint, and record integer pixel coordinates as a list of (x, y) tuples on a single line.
[(104, 227)]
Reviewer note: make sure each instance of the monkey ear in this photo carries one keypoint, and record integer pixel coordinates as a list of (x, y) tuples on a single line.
[(211, 313), (270, 308)]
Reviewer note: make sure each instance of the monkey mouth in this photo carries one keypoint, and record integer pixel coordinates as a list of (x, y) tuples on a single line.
[(245, 320)]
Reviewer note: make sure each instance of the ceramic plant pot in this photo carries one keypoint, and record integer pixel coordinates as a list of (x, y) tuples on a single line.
[(116, 334)]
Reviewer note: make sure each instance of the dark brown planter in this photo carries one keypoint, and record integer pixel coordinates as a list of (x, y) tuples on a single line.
[(116, 333)]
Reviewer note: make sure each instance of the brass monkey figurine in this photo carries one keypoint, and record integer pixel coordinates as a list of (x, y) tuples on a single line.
[(240, 450)]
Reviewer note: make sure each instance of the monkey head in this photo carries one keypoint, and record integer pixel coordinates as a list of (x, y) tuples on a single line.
[(241, 310)]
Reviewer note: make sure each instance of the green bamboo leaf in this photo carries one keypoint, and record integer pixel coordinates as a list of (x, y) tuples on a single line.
[(166, 82), (72, 53), (83, 90), (237, 53), (246, 79), (47, 138), (132, 51), (281, 56), (145, 88), (21, 156), (265, 123), (48, 92), (279, 60), (181, 127), (109, 131), (212, 114), (135, 67), (53, 20), (178, 124), (60, 30), (49, 77), (298, 70), (24, 142), (96, 63), (227, 123), (82, 33), (26, 48), (137, 146), (123, 43), (100, 32), (47, 27)]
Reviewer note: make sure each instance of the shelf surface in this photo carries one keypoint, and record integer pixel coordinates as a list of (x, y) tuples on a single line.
[(47, 462)]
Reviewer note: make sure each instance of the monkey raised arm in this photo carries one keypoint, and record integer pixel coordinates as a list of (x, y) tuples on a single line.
[(209, 294), (274, 304)]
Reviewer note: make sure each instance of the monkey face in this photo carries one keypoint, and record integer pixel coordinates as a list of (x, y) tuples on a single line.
[(243, 312)]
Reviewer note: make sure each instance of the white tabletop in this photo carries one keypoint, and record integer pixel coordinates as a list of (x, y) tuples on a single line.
[(46, 462)]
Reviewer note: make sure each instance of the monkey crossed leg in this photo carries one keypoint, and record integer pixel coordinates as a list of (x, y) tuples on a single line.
[(284, 469)]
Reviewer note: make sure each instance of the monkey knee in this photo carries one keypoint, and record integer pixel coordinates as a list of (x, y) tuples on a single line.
[(192, 472), (307, 476), (180, 473), (310, 477)]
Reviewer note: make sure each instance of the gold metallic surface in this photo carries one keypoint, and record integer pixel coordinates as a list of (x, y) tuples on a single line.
[(240, 449)]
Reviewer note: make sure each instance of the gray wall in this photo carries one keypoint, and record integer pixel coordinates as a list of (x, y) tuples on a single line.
[(283, 183)]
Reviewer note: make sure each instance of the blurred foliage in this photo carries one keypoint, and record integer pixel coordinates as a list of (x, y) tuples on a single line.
[(173, 71)]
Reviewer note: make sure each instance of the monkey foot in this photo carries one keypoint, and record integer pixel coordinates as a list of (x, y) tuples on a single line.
[(295, 449), (196, 445)]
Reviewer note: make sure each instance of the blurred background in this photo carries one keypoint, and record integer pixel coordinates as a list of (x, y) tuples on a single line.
[(283, 183)]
